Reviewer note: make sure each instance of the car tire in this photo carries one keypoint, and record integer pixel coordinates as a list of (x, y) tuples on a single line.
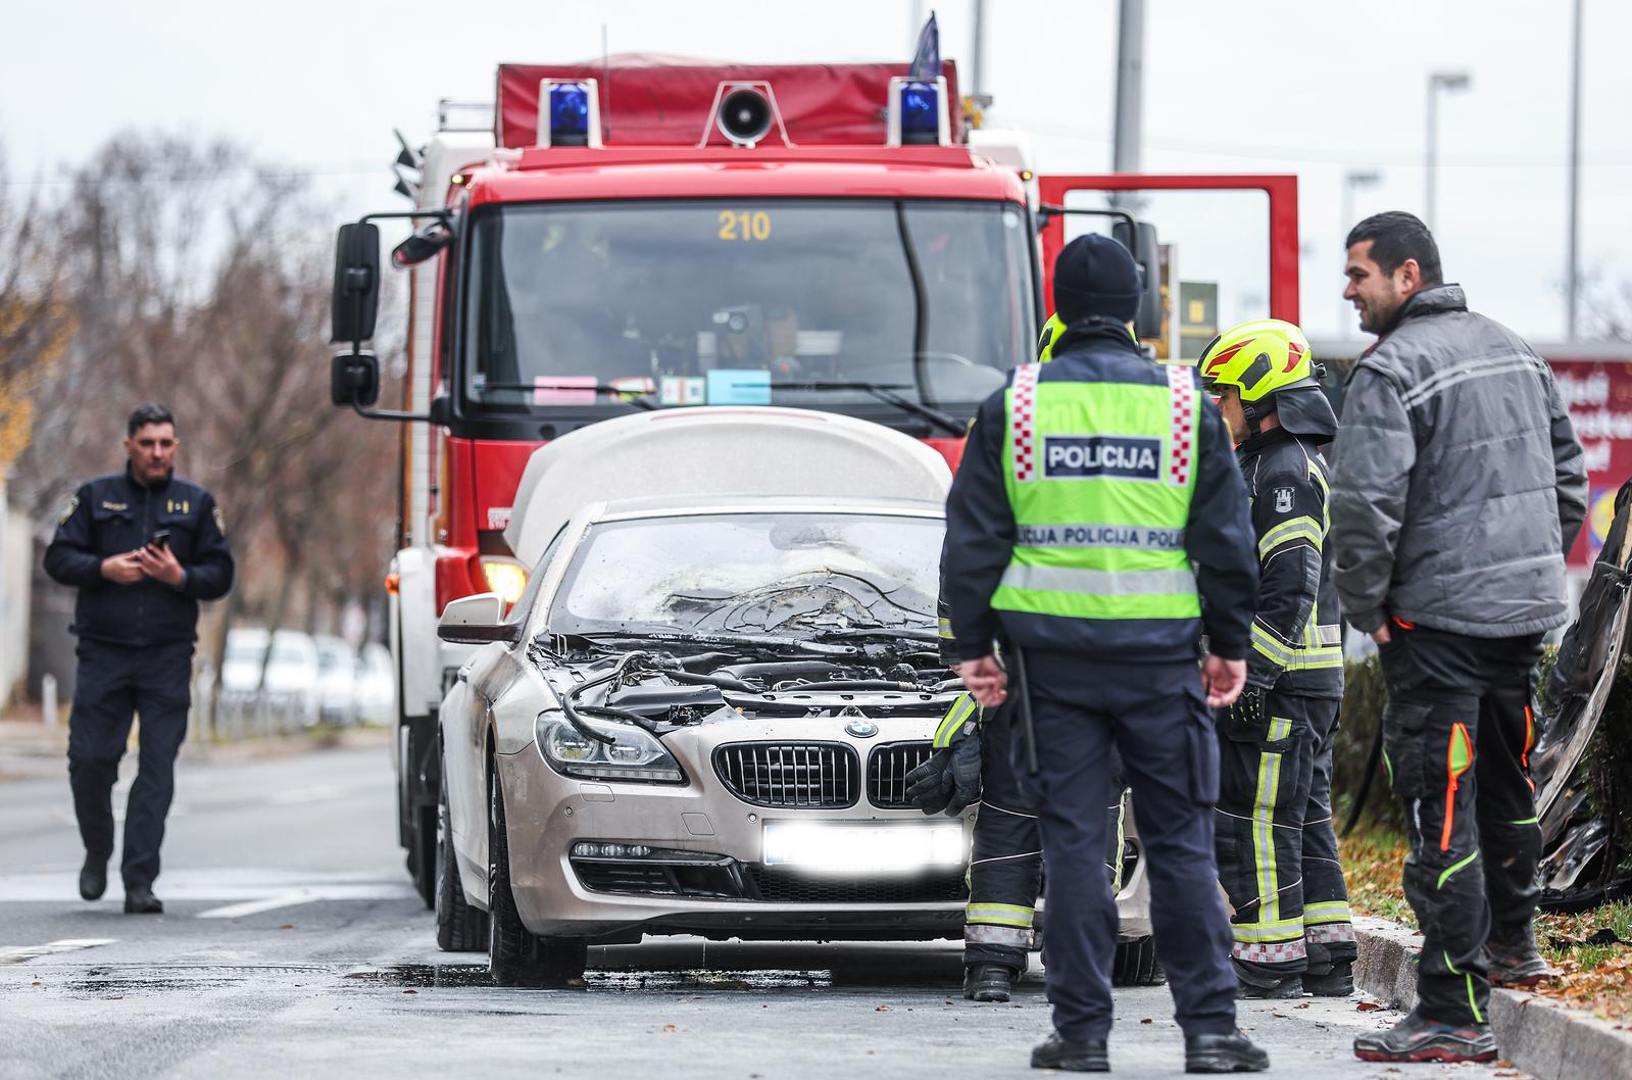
[(1135, 964), (459, 926), (515, 955)]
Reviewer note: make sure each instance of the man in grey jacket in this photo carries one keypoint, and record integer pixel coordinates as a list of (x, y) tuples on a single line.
[(1458, 487)]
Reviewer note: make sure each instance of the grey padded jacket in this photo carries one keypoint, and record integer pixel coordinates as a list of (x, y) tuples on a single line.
[(1458, 484)]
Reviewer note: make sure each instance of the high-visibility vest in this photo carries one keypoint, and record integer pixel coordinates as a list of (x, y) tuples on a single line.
[(1100, 477)]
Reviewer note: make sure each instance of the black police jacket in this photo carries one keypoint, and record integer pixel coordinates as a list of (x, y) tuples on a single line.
[(112, 515), (980, 531), (1287, 480)]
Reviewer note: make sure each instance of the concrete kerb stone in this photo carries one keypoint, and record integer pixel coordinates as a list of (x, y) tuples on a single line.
[(1545, 1039)]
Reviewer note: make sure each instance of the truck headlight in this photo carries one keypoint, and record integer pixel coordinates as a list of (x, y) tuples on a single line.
[(632, 755)]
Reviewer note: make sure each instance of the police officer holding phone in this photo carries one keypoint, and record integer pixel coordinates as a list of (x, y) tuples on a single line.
[(143, 547)]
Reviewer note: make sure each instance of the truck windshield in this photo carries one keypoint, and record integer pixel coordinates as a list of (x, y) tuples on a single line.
[(747, 302)]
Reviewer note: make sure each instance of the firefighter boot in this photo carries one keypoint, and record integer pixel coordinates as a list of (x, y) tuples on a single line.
[(988, 982), (1416, 1038), (1327, 976), (1257, 983)]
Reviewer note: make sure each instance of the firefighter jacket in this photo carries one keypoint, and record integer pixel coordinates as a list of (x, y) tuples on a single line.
[(1297, 635), (1097, 511), (112, 515)]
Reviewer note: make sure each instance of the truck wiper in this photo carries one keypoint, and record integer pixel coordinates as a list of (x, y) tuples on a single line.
[(637, 398), (887, 393)]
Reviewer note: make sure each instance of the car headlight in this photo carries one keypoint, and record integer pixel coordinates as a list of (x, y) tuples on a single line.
[(632, 755)]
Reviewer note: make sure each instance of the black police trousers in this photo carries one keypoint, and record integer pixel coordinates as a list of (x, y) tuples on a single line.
[(113, 683), (1157, 717), (1457, 736), (1277, 852)]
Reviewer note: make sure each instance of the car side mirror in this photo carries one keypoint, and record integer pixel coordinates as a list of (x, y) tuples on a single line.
[(356, 297), (1140, 239), (476, 620), (354, 379)]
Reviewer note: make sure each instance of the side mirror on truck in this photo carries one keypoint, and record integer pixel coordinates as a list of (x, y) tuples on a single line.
[(356, 299), (354, 379), (1140, 239)]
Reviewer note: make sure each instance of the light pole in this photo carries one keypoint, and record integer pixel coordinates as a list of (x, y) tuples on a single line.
[(1573, 280), (1437, 81), (1353, 179)]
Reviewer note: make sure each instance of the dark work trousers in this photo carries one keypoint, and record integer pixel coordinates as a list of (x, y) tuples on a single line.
[(1457, 736), (1006, 865), (1277, 853), (1157, 717), (113, 683)]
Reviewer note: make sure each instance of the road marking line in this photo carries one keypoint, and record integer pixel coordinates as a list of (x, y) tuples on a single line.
[(266, 903), (34, 952)]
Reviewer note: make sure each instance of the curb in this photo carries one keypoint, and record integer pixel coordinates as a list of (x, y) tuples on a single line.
[(1545, 1039)]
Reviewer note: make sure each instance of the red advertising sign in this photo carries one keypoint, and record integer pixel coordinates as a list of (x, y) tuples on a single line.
[(1598, 394)]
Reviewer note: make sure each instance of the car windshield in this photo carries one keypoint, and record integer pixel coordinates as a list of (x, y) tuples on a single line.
[(790, 574), (746, 302)]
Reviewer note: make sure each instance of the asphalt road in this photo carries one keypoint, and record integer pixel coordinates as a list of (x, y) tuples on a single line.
[(292, 946)]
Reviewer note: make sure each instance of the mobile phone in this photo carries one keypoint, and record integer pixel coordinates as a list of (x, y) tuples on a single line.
[(161, 539)]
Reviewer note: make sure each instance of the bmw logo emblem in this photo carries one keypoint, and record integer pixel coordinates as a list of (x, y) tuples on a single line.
[(862, 729)]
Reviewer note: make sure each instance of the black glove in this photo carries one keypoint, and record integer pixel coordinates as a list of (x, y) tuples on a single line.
[(950, 780), (1247, 714)]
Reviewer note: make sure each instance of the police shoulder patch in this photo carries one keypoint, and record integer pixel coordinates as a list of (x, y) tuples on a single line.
[(1283, 500), (220, 520), (68, 509)]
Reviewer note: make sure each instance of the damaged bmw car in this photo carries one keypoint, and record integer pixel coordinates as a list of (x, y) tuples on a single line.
[(700, 715)]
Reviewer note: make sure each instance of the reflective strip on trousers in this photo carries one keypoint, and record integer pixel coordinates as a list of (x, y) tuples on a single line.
[(1279, 952), (1263, 828), (999, 914), (1327, 911), (984, 934)]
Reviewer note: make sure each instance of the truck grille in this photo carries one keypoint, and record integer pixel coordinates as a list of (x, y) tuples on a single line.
[(808, 775), (776, 885), (887, 771)]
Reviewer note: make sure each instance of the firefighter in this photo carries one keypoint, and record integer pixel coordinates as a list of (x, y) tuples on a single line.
[(1090, 487), (143, 547), (1277, 852), (1005, 866)]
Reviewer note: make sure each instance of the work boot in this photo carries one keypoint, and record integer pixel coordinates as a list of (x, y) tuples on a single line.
[(1518, 965), (93, 878), (1416, 1038), (139, 900), (1257, 983), (1070, 1055), (1223, 1054), (988, 982), (1338, 981)]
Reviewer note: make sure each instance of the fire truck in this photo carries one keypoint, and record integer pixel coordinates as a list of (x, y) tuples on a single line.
[(654, 233)]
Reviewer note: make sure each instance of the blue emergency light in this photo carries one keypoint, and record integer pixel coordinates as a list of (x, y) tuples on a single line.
[(920, 113), (569, 115)]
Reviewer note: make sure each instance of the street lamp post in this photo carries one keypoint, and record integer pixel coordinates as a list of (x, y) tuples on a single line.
[(1353, 179), (1437, 81)]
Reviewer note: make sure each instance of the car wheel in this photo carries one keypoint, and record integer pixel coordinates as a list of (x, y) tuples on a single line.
[(459, 926), (515, 955), (1136, 965)]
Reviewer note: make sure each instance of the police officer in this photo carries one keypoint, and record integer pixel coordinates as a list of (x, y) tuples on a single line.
[(143, 547), (1088, 488), (1277, 853), (1006, 864)]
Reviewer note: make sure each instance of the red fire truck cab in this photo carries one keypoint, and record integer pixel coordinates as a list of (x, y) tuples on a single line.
[(654, 233)]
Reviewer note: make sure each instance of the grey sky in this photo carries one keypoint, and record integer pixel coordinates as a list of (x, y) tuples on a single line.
[(1312, 88)]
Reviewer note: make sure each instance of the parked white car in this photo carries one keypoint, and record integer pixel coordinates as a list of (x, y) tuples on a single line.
[(337, 680), (288, 693), (376, 685)]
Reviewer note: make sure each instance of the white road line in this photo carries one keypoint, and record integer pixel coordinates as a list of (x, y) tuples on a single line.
[(255, 907), (34, 952)]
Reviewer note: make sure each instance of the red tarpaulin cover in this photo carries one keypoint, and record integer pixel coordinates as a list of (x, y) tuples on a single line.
[(650, 100)]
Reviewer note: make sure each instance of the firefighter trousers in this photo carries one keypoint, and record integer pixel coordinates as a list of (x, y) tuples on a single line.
[(1457, 736), (1006, 863), (1277, 851)]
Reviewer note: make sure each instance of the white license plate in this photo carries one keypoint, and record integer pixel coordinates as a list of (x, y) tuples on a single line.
[(867, 849)]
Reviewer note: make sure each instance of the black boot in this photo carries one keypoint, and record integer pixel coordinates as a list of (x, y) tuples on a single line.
[(1223, 1054), (1519, 965), (1337, 982), (1416, 1038), (1257, 982), (1058, 1053), (139, 900), (988, 982), (93, 878)]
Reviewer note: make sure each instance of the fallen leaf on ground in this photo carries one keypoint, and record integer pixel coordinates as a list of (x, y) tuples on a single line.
[(882, 1008), (286, 926), (1147, 1020), (1367, 1006), (410, 991), (670, 1027), (1305, 1005)]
